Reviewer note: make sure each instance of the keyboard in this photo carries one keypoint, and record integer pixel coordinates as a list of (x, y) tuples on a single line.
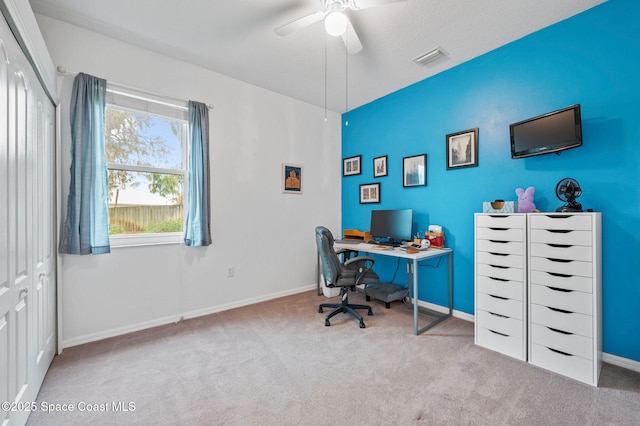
[(348, 241)]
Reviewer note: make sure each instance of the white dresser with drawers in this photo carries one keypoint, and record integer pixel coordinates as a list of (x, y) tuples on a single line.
[(500, 283), (538, 285), (565, 287)]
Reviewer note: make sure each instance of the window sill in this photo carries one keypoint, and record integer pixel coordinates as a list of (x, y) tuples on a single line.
[(141, 240)]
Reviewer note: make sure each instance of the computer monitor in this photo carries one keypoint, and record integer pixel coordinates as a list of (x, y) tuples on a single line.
[(392, 226)]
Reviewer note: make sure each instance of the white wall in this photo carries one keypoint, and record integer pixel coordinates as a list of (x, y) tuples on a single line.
[(266, 235)]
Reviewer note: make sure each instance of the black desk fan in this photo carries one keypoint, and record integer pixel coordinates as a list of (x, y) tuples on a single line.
[(567, 190)]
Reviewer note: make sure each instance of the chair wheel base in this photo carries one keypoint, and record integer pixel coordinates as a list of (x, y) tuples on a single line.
[(344, 308)]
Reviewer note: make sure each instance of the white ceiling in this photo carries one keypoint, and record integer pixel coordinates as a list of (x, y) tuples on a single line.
[(237, 38)]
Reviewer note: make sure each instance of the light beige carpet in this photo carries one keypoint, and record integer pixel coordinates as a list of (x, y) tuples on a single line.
[(275, 363)]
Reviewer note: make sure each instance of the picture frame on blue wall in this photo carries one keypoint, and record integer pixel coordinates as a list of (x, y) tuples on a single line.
[(414, 170), (352, 166), (369, 193), (380, 166), (462, 149)]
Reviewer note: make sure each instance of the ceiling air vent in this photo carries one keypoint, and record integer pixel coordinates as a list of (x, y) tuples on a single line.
[(430, 56)]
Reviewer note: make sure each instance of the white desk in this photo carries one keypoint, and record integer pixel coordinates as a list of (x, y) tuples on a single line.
[(412, 261)]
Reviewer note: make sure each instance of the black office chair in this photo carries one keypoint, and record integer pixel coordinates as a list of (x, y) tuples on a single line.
[(347, 275)]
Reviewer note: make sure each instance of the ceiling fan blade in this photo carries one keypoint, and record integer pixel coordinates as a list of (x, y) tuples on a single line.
[(300, 23), (351, 40), (364, 4)]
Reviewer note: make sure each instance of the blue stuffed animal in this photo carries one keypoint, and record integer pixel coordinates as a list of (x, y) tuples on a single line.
[(525, 199)]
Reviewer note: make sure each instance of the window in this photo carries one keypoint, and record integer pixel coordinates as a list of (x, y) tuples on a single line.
[(146, 151)]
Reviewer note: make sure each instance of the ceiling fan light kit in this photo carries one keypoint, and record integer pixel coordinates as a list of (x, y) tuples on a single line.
[(336, 23)]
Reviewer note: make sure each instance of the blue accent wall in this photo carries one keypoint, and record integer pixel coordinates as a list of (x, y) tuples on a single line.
[(592, 59)]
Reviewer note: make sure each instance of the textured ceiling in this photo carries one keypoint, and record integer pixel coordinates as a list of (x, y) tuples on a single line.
[(237, 38)]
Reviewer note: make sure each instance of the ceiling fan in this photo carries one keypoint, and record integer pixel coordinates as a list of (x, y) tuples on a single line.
[(335, 20)]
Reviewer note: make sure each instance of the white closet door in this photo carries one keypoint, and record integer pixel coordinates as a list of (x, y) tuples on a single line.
[(27, 230), (44, 297), (17, 277)]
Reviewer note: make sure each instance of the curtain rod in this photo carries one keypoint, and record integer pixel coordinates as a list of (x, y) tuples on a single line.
[(63, 71)]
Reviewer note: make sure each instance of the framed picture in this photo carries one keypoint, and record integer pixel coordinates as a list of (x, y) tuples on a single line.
[(380, 166), (369, 193), (291, 178), (462, 149), (352, 166), (414, 170)]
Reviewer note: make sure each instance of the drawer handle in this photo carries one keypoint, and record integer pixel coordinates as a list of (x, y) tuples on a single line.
[(557, 216), (558, 231), (499, 242), (499, 229), (555, 274), (560, 245), (498, 279), (559, 352), (498, 315), (499, 297), (559, 260), (498, 266), (499, 334), (559, 331), (562, 311), (564, 290), (498, 254)]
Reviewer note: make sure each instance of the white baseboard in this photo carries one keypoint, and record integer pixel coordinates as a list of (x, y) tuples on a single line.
[(629, 364), (220, 308), (444, 310), (94, 337)]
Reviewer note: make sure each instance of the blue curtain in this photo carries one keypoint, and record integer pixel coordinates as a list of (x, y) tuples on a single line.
[(197, 228), (86, 227)]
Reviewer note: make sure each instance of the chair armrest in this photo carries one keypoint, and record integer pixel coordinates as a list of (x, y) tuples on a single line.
[(346, 252), (360, 258), (369, 264)]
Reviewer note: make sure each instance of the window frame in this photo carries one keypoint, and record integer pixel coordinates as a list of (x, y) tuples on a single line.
[(153, 106)]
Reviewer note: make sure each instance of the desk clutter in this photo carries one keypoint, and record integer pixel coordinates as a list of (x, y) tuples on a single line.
[(435, 236), (382, 247), (355, 235)]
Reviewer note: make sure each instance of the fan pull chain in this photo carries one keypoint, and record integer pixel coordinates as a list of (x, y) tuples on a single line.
[(325, 78), (346, 78)]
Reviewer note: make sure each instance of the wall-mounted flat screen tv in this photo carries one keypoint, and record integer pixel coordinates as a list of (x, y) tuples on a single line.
[(552, 132)]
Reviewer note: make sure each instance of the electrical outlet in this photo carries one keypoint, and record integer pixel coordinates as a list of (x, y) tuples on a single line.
[(230, 271)]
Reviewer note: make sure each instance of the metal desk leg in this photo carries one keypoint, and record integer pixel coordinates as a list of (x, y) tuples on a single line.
[(414, 268), (439, 318), (450, 259)]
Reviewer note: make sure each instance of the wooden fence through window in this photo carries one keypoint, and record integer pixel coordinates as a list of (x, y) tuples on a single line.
[(140, 218)]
